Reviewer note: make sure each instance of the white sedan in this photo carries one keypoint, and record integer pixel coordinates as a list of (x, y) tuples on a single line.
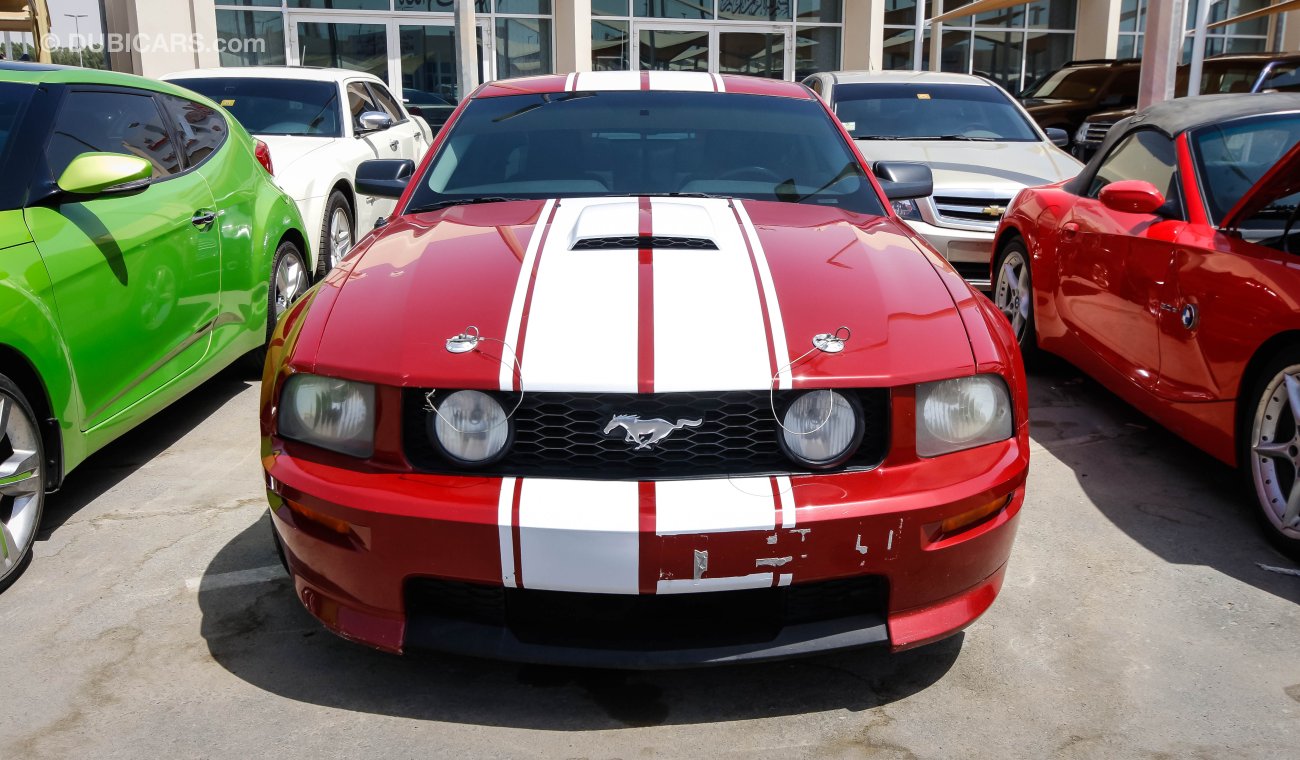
[(317, 142)]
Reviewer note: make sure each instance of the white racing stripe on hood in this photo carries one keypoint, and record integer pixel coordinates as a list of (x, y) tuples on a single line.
[(514, 322), (709, 331), (581, 330), (776, 324)]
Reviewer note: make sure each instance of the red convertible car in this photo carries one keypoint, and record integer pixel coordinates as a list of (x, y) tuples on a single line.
[(1168, 270), (643, 372)]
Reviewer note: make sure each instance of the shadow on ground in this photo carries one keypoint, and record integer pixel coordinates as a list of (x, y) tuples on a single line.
[(263, 635), (116, 461), (1175, 500)]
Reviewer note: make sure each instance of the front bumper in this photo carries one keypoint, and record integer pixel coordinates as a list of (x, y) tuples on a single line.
[(363, 546), (969, 251)]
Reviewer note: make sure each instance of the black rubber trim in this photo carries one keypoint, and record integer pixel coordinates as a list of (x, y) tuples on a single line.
[(431, 633)]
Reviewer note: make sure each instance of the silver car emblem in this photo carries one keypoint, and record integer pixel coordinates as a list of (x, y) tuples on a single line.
[(646, 433)]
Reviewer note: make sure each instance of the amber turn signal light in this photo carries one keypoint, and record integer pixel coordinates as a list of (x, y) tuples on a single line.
[(971, 518)]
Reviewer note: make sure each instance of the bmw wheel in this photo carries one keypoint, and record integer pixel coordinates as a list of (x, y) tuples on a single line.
[(337, 234), (1013, 292), (1272, 459), (22, 481)]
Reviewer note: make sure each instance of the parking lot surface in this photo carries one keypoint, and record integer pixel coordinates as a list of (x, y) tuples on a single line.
[(1143, 616)]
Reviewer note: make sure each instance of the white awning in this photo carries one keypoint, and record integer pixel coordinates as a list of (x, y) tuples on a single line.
[(1282, 7)]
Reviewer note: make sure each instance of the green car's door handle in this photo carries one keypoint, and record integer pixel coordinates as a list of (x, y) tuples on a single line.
[(204, 219)]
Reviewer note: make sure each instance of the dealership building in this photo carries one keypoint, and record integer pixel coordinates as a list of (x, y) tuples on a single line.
[(411, 43)]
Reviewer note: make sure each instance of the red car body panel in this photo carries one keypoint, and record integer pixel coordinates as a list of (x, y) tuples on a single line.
[(356, 531), (1110, 290)]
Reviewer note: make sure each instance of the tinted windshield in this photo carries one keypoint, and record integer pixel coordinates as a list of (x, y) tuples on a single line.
[(1284, 77), (1233, 157), (1072, 84), (276, 106), (13, 101), (875, 111), (647, 143), (1219, 77)]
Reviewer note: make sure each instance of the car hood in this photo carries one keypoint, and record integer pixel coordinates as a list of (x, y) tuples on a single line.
[(995, 168), (1279, 181), (286, 150), (563, 286), (1111, 116)]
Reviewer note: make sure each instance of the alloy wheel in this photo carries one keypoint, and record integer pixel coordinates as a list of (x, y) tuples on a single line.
[(1275, 452), (340, 242), (22, 483), (1012, 294), (290, 282)]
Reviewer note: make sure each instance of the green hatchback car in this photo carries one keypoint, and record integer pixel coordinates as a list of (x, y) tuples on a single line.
[(144, 246)]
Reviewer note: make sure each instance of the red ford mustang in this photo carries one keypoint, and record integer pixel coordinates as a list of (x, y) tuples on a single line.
[(644, 373), (1168, 270)]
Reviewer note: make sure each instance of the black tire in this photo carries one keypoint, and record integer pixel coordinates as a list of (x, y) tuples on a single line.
[(1016, 299), (22, 502), (327, 257), (287, 255), (1267, 420)]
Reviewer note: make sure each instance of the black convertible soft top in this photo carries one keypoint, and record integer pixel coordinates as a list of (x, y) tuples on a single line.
[(1173, 117)]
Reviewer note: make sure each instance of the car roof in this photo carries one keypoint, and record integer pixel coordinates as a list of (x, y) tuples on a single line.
[(653, 81), (906, 77), (1173, 117), (1253, 57), (304, 73), (43, 73)]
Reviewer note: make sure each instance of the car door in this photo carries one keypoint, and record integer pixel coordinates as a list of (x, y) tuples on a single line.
[(384, 143), (135, 277), (1114, 265)]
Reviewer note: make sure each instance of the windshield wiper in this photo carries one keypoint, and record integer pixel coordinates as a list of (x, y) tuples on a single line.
[(881, 137), (464, 202), (547, 99)]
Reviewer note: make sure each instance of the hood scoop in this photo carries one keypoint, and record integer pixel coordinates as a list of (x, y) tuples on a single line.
[(658, 242), (617, 225)]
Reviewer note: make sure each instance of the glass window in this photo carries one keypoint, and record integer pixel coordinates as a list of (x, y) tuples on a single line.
[(1144, 155), (673, 50), (1045, 53), (897, 52), (251, 38), (820, 11), (609, 46), (360, 101), (672, 9), (752, 53), (535, 7), (1128, 15), (817, 48), (429, 71), (997, 56), (931, 112), (111, 122), (202, 129), (647, 143), (955, 53), (1232, 158), (275, 106), (360, 47), (900, 12), (1050, 14), (754, 10), (1128, 46), (13, 103), (610, 7), (423, 6), (386, 101), (257, 3), (340, 5), (523, 47)]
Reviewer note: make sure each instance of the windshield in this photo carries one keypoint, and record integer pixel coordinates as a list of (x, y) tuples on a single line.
[(646, 143), (276, 106), (13, 101), (943, 111), (1071, 84), (1233, 157), (1284, 77)]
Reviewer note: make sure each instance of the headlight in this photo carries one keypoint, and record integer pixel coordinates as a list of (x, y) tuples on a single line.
[(907, 210), (821, 429), (470, 427), (330, 413), (952, 415)]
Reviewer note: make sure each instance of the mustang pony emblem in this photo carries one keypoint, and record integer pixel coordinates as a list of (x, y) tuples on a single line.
[(646, 433)]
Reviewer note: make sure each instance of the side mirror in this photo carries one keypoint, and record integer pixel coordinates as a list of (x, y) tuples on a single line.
[(374, 121), (904, 180), (384, 177), (103, 173), (1131, 196), (1059, 137)]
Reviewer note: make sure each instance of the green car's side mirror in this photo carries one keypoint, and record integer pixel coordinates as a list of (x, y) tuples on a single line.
[(96, 173)]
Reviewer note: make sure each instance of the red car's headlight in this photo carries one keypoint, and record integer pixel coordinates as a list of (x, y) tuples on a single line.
[(962, 413), (333, 414)]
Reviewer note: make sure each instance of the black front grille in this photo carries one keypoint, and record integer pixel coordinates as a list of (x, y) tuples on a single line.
[(658, 242), (562, 435), (644, 621)]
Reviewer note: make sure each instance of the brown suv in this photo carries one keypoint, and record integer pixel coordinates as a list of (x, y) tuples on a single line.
[(1255, 72), (1064, 98)]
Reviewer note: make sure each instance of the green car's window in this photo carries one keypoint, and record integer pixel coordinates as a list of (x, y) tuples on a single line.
[(111, 122), (202, 129), (13, 101)]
